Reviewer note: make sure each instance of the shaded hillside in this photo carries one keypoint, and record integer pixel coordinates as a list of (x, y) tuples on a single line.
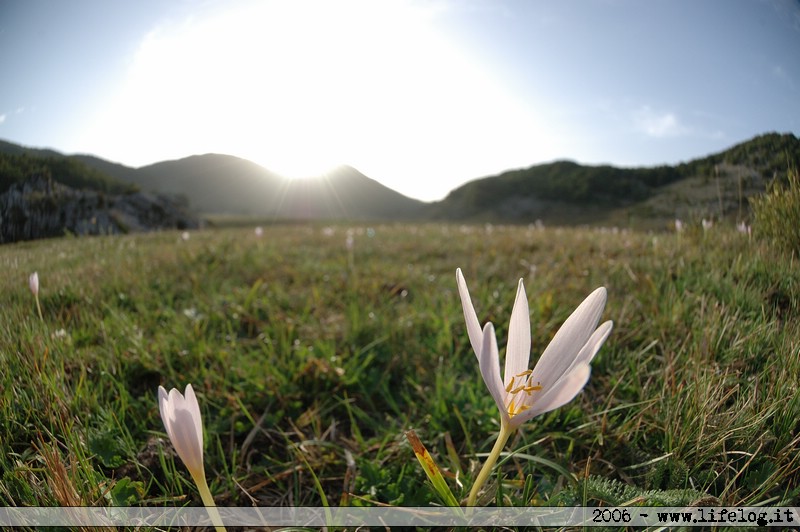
[(223, 184), (565, 192), (16, 149), (214, 183), (722, 195), (536, 191), (344, 193), (115, 170), (562, 192), (716, 187), (769, 155), (18, 165)]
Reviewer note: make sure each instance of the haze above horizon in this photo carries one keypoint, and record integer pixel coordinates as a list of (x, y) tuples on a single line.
[(419, 95)]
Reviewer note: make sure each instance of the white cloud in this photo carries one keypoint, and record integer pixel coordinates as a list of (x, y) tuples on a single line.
[(659, 124), (2, 118)]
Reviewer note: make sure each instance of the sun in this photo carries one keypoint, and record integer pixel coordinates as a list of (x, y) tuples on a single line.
[(295, 169), (304, 87)]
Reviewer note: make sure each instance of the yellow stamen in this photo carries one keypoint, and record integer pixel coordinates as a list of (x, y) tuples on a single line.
[(526, 386), (510, 385)]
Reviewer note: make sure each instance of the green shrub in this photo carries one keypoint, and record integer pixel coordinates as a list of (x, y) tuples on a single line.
[(777, 212)]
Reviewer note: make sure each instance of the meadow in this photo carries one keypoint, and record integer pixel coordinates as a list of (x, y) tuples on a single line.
[(311, 359)]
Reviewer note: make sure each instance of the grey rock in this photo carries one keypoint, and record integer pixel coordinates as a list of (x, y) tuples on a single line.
[(42, 208)]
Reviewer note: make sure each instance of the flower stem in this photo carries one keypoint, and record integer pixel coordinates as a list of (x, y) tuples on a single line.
[(208, 502), (39, 307), (502, 438)]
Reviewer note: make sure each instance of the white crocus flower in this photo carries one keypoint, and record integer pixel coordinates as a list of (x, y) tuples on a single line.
[(560, 374), (181, 417), (33, 284)]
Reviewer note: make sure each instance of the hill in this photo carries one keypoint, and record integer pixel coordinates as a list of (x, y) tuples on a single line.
[(344, 193), (223, 184), (18, 163), (565, 192), (562, 192), (213, 183), (115, 170)]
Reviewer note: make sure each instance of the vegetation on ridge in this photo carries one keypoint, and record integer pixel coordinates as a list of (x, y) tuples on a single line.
[(566, 192), (16, 167)]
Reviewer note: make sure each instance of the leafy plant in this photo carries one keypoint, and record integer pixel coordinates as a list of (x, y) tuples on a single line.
[(777, 212), (601, 491)]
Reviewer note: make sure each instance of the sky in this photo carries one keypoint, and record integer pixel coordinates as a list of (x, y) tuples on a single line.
[(421, 96)]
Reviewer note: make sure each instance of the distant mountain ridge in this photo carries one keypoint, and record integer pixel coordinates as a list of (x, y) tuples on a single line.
[(224, 184), (561, 192), (18, 164), (568, 193), (212, 183)]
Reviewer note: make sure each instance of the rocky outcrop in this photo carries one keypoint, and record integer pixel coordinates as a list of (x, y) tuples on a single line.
[(41, 208)]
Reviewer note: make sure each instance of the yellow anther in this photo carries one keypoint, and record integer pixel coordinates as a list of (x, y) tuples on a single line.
[(510, 385), (526, 386), (514, 410)]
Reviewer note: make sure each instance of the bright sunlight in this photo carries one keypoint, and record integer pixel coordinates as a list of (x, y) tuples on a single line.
[(359, 83)]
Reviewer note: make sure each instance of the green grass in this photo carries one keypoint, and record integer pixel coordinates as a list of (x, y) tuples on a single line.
[(310, 362)]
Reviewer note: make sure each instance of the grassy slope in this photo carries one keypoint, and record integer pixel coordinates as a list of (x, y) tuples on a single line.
[(296, 348), (724, 196), (565, 193)]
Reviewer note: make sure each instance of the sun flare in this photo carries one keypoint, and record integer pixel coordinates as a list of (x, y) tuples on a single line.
[(303, 87)]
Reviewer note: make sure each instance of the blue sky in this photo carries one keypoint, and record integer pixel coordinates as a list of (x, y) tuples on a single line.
[(419, 95)]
